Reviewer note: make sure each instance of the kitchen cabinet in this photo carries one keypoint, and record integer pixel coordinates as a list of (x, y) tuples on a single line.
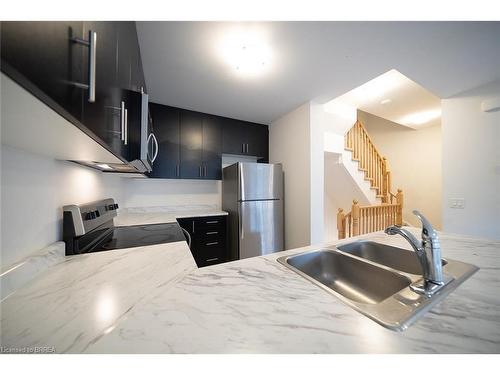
[(42, 58), (105, 116), (51, 60), (211, 158), (245, 138), (208, 239), (189, 144), (167, 130)]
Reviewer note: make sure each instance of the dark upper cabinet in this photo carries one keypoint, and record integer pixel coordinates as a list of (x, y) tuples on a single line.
[(42, 57), (167, 130), (106, 115), (191, 142), (258, 141), (47, 59), (245, 138), (212, 148), (129, 66)]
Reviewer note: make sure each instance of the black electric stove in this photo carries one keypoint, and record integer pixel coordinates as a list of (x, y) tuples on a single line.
[(141, 235), (89, 228)]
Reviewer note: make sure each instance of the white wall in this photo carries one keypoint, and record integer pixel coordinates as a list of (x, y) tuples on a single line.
[(33, 190), (471, 163), (289, 145), (158, 192), (414, 158)]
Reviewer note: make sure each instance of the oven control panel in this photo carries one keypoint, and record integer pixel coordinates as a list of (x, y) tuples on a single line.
[(86, 217)]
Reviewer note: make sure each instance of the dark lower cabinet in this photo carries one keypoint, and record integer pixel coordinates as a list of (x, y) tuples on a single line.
[(208, 239)]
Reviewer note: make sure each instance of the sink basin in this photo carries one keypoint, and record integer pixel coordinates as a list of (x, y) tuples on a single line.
[(375, 279), (390, 256), (352, 278)]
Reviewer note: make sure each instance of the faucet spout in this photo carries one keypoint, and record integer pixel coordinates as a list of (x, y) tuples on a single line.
[(428, 252)]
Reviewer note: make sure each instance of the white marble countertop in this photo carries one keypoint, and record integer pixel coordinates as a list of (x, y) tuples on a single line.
[(158, 215), (154, 300)]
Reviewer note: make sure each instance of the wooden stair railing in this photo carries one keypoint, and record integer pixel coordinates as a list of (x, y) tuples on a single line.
[(368, 219), (374, 165)]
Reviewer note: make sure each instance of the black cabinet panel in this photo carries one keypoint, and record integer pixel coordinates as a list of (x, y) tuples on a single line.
[(191, 143), (212, 147), (245, 138), (233, 137), (167, 130), (46, 59), (208, 239), (104, 116), (129, 67), (258, 141), (45, 55)]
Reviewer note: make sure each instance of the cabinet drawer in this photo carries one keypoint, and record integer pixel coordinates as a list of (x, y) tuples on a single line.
[(210, 224), (206, 257)]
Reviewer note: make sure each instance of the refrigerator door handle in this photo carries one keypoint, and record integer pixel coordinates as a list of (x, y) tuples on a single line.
[(242, 231)]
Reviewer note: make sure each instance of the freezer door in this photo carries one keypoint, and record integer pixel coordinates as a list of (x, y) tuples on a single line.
[(261, 228), (260, 181)]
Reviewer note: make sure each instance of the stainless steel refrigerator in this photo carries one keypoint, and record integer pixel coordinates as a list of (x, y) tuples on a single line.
[(252, 194)]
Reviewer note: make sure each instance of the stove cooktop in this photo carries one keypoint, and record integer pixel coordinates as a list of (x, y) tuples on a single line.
[(141, 235)]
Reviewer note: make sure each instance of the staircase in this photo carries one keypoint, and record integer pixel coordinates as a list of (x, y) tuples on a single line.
[(370, 218)]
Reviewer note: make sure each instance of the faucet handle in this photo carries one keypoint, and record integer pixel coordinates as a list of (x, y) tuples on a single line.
[(427, 228)]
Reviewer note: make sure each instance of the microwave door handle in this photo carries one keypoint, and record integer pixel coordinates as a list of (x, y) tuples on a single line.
[(156, 147)]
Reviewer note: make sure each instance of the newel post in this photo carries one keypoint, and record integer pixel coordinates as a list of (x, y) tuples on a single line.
[(399, 201), (355, 217), (341, 224), (385, 181)]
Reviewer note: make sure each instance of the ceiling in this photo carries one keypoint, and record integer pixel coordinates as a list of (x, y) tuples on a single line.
[(392, 96), (311, 61)]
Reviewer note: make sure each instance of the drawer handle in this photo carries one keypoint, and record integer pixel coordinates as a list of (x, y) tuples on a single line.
[(212, 222), (211, 243), (212, 232), (212, 259)]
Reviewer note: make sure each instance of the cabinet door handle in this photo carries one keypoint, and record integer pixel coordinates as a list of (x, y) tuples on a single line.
[(199, 171), (156, 148), (211, 243), (192, 225), (177, 170), (92, 44), (212, 222), (243, 148), (247, 148), (212, 259), (212, 232), (205, 170), (122, 120), (126, 126)]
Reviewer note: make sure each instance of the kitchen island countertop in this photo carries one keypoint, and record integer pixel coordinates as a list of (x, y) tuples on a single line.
[(154, 300)]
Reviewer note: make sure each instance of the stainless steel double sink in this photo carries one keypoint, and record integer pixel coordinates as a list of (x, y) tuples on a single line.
[(375, 279)]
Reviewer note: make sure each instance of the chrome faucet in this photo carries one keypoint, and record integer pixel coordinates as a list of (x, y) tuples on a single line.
[(428, 252)]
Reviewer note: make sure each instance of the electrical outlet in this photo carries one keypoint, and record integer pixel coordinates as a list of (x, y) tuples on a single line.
[(457, 203)]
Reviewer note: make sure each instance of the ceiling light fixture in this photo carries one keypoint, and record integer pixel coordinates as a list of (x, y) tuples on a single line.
[(246, 52), (420, 118), (104, 166)]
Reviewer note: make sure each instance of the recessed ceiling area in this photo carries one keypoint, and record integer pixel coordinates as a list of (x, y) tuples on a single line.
[(309, 61), (392, 96)]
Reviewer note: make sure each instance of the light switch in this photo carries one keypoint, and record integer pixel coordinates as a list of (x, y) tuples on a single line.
[(457, 203)]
